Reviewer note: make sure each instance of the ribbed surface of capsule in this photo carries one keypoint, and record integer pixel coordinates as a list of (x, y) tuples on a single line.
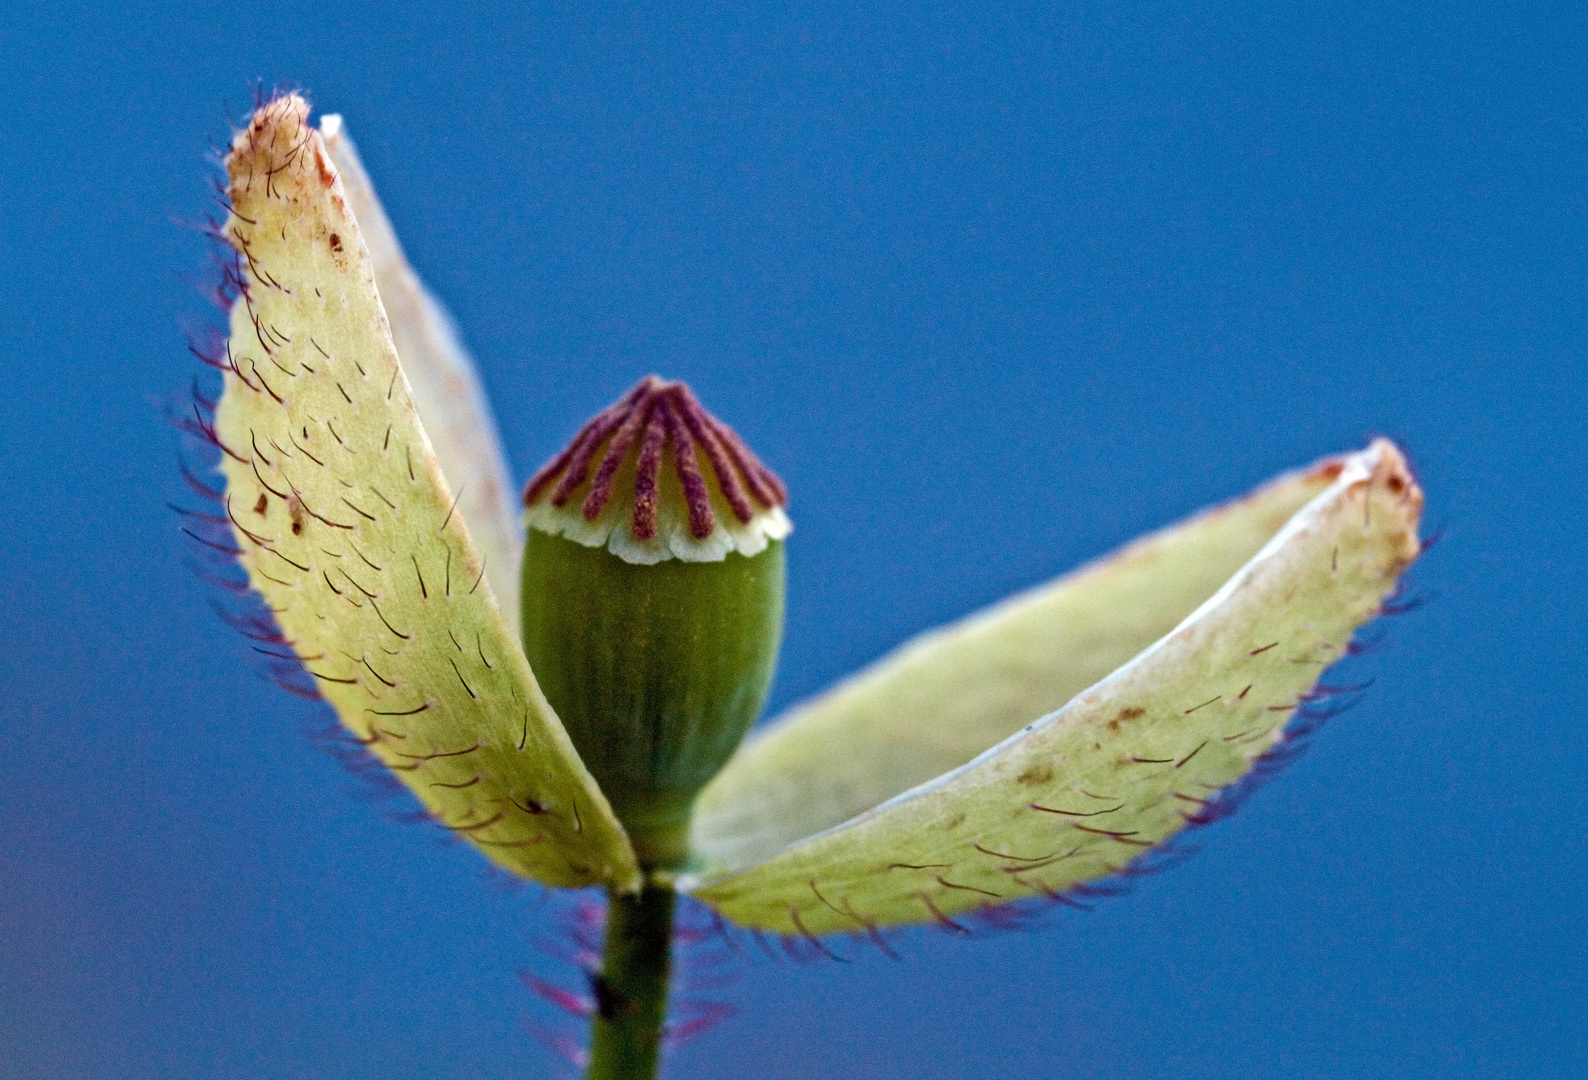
[(633, 480)]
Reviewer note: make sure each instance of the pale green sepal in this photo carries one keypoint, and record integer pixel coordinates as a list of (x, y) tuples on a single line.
[(349, 531), (1081, 792), (452, 404), (936, 702)]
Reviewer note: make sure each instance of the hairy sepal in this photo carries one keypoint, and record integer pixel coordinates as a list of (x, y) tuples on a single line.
[(350, 531), (1084, 791), (938, 701), (446, 388)]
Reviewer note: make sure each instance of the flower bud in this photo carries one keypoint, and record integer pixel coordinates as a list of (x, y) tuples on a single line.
[(652, 602)]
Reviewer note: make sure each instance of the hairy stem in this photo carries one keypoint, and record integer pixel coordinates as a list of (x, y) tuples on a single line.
[(631, 992)]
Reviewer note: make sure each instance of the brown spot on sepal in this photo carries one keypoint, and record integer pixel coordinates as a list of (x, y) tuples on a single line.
[(336, 242), (1040, 772), (1329, 470), (262, 505), (327, 174), (1130, 713), (295, 511)]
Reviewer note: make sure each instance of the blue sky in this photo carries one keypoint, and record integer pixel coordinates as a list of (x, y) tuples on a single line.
[(994, 291)]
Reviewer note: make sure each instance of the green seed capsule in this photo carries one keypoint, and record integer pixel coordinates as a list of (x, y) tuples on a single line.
[(652, 603)]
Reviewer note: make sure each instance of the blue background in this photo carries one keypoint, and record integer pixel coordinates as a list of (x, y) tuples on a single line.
[(994, 290)]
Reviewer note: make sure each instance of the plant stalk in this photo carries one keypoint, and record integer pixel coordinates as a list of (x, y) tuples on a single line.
[(631, 991)]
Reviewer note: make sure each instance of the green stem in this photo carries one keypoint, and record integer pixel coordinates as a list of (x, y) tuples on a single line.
[(631, 993)]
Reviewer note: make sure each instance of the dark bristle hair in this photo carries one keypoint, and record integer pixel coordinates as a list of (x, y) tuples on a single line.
[(708, 958), (1200, 810), (205, 520), (656, 415)]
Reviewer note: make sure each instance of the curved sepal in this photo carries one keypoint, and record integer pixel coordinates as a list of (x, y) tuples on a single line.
[(350, 532), (1128, 763), (447, 392), (937, 701)]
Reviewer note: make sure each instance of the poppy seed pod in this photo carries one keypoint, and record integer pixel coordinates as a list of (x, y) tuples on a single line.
[(652, 602), (1061, 738)]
